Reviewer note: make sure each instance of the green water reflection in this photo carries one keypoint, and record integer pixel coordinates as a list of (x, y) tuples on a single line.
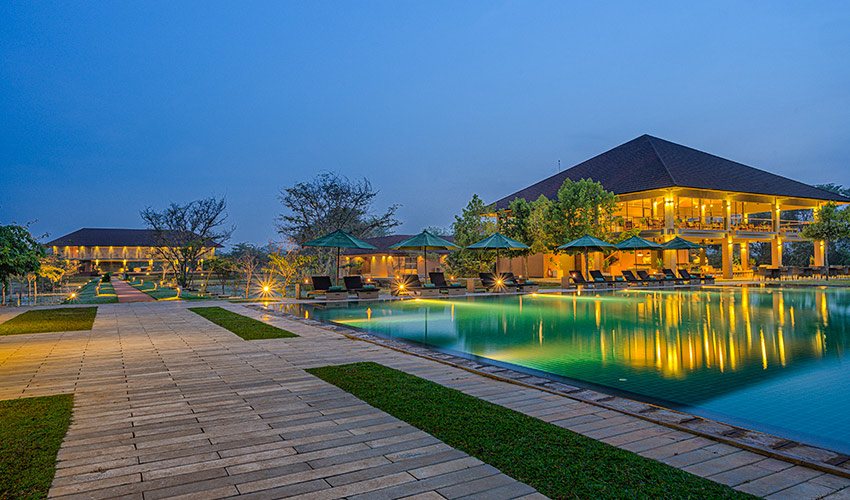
[(765, 357)]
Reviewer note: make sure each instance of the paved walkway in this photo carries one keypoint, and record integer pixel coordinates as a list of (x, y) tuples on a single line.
[(168, 404), (127, 293)]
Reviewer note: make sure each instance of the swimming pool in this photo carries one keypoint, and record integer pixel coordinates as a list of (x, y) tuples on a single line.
[(770, 359)]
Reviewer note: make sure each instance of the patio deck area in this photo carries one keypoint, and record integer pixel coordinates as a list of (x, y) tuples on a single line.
[(169, 404)]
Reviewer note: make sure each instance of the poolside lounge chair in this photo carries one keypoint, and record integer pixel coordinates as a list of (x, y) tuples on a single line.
[(439, 280), (598, 277), (671, 275), (490, 282), (412, 284), (652, 279), (579, 280), (322, 286), (524, 286), (353, 284), (696, 278), (634, 280)]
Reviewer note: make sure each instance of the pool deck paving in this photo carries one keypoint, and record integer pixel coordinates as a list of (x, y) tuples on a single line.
[(170, 405)]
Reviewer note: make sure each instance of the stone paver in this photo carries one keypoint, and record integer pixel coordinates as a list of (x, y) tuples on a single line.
[(168, 404)]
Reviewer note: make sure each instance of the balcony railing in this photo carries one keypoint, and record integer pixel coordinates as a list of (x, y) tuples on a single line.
[(642, 223), (700, 224), (754, 225)]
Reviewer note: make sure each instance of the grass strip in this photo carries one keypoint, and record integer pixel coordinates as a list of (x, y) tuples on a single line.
[(165, 293), (31, 431), (65, 319), (557, 462), (90, 293), (245, 327)]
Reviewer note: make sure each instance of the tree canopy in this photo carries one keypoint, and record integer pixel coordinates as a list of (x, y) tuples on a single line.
[(470, 226), (20, 254), (830, 224), (183, 234), (329, 202)]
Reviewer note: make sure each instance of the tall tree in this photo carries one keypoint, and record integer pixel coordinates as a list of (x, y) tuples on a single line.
[(329, 202), (517, 224), (472, 225), (830, 224), (20, 255), (249, 259), (583, 207), (184, 234)]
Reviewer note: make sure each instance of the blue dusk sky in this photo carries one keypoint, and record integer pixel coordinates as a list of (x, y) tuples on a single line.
[(109, 107)]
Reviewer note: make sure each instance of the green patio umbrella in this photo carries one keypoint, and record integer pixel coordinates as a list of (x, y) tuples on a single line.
[(424, 241), (339, 239), (498, 241), (587, 244), (678, 243), (636, 243)]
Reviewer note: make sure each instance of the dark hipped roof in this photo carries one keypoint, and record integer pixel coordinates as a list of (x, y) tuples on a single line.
[(651, 163), (383, 243), (101, 237)]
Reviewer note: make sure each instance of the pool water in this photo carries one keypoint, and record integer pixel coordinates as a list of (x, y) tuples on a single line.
[(769, 359)]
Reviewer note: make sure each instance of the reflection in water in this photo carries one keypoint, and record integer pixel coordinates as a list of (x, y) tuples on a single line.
[(682, 347)]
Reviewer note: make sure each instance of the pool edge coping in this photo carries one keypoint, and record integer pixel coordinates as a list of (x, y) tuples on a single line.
[(763, 443)]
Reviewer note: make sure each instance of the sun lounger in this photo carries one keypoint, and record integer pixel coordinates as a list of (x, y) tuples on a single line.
[(579, 280), (653, 280), (497, 283), (671, 275), (696, 277), (413, 285), (439, 280), (634, 280), (322, 286), (524, 286), (598, 277), (353, 284)]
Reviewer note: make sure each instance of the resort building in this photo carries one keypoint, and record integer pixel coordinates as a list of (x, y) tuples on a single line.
[(113, 250), (386, 262), (668, 190)]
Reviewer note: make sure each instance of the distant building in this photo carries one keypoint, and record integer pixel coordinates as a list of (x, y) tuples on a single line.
[(113, 250), (386, 262), (668, 190)]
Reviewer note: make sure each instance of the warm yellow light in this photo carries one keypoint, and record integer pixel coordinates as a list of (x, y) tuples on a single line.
[(73, 295), (401, 286), (265, 288), (498, 282)]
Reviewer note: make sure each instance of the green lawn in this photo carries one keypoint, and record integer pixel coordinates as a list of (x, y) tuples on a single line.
[(63, 319), (557, 462), (247, 328), (165, 293), (91, 294), (31, 431)]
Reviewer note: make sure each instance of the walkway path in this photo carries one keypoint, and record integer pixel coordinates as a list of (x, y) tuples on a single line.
[(127, 293), (168, 404)]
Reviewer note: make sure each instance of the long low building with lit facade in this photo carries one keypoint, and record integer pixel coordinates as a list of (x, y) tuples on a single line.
[(385, 262), (668, 190), (113, 250)]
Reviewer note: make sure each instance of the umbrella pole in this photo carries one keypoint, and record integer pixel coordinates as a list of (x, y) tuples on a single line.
[(586, 264), (425, 258), (337, 266)]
